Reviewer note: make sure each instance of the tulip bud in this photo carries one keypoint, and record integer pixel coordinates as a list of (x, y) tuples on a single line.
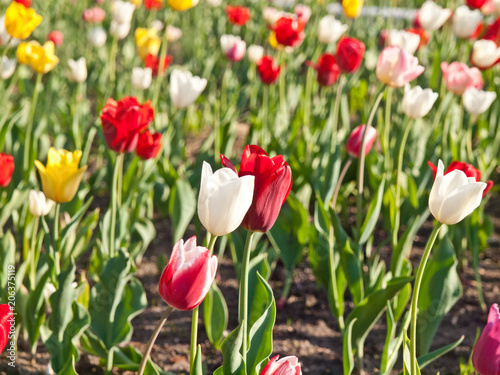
[(5, 325), (271, 15), (352, 8), (355, 139), (454, 195), (466, 21), (406, 40), (119, 30), (122, 11), (477, 101), (431, 16), (147, 42), (173, 33), (284, 366), (39, 204), (486, 353), (237, 15), (181, 5), (185, 88), (158, 25), (188, 275), (153, 63), (6, 169), (475, 4), (97, 36), (330, 29), (327, 68), (396, 67), (7, 67), (214, 3), (148, 145), (233, 47), (141, 78), (268, 70), (349, 54), (94, 15), (56, 37), (459, 77), (417, 102), (485, 53), (303, 12), (255, 53), (78, 70)]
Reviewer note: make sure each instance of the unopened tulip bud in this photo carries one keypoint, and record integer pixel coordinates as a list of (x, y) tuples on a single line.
[(141, 78), (418, 102), (7, 67), (255, 53), (119, 30), (6, 169), (97, 36), (39, 204), (349, 54), (477, 101), (486, 354), (6, 322), (355, 139), (56, 37), (148, 145), (78, 70), (352, 8), (233, 47), (185, 88), (173, 33), (466, 21)]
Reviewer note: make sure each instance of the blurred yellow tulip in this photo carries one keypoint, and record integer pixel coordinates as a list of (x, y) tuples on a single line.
[(61, 177), (41, 58), (147, 41), (352, 8), (180, 5), (21, 21), (137, 3)]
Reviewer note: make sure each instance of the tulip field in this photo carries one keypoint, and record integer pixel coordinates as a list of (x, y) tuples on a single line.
[(260, 187)]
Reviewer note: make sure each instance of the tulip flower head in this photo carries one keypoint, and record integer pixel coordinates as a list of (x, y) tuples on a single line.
[(432, 16), (7, 67), (330, 29), (173, 33), (188, 275), (39, 204), (6, 169), (255, 53), (214, 3), (406, 40), (148, 145), (355, 139), (121, 18), (289, 31), (303, 12), (153, 63), (61, 176), (237, 15), (475, 4), (466, 21), (56, 37), (477, 101), (233, 47), (424, 35), (485, 53), (93, 15), (97, 36), (271, 15), (284, 366), (396, 67), (147, 42), (273, 182), (153, 4), (268, 70), (418, 102), (352, 8), (224, 199), (349, 54), (327, 68), (459, 77), (181, 5), (26, 3), (124, 121), (486, 353), (454, 195), (21, 21), (185, 88), (41, 58), (6, 320), (78, 70), (142, 78)]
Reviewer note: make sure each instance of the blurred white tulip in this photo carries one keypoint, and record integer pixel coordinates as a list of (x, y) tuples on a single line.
[(466, 21), (431, 16), (330, 30), (477, 101), (7, 67), (418, 102), (141, 78), (78, 70), (185, 88), (39, 204)]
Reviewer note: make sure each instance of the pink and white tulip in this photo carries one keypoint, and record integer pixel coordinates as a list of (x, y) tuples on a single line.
[(486, 354), (233, 47), (396, 67), (459, 77), (284, 366)]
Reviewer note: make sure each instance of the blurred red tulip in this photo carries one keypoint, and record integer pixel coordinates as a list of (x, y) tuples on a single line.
[(424, 36), (475, 4), (153, 4), (289, 31), (468, 169), (493, 31), (349, 55), (284, 366), (327, 68), (56, 37), (237, 15), (27, 4), (486, 354), (5, 325), (188, 275), (94, 15), (149, 145), (273, 182), (6, 169), (153, 62), (268, 70), (355, 139), (124, 121)]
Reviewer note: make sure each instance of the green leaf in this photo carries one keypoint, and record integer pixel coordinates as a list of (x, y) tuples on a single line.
[(432, 356), (198, 368), (232, 363), (372, 214), (347, 354), (73, 224), (181, 208), (352, 271), (215, 315), (129, 359)]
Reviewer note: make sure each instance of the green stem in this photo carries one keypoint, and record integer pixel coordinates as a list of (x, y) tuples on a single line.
[(112, 60), (387, 130), (152, 339), (159, 78), (339, 182), (284, 115), (265, 137), (109, 360), (29, 129), (114, 196), (336, 108), (414, 298), (33, 253), (76, 119), (55, 239), (243, 295), (333, 279)]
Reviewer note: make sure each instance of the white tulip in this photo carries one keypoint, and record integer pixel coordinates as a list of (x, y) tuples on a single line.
[(454, 195), (271, 15), (78, 70), (119, 30), (477, 101), (157, 25), (97, 36), (185, 88), (418, 102), (431, 16), (7, 67), (122, 12), (255, 53), (141, 78), (465, 21), (233, 47), (224, 199), (173, 33), (214, 3), (39, 204), (496, 4), (330, 30), (485, 53), (408, 41)]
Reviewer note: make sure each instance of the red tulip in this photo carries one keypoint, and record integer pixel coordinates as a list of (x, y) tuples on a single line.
[(268, 70), (424, 36), (124, 121), (289, 31), (493, 31), (6, 169), (486, 354), (188, 275), (350, 53), (273, 182), (284, 366), (475, 4), (149, 145), (5, 325), (56, 37), (353, 144), (153, 4), (94, 15), (153, 62), (468, 169), (27, 4), (327, 68), (237, 15)]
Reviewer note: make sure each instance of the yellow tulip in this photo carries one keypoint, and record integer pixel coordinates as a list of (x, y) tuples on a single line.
[(180, 5), (21, 21), (148, 43), (61, 177), (41, 58), (352, 8), (137, 3)]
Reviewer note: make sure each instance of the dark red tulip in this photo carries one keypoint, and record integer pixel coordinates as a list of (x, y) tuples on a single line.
[(56, 37), (124, 121), (468, 169), (350, 53), (493, 31), (6, 169), (153, 62), (5, 325), (268, 70), (148, 145), (237, 15), (475, 4), (355, 139), (327, 68), (273, 182), (289, 31)]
